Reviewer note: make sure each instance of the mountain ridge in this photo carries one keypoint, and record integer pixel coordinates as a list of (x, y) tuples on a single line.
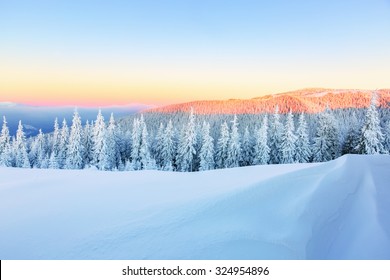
[(310, 100)]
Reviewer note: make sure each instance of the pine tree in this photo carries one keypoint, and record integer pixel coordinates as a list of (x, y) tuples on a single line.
[(5, 146), (45, 162), (25, 160), (222, 147), (145, 159), (5, 142), (288, 140), (247, 148), (158, 146), (351, 141), (75, 152), (207, 149), (326, 143), (168, 148), (64, 140), (197, 146), (129, 166), (123, 142), (386, 144), (56, 145), (275, 142), (110, 158), (303, 150), (136, 144), (20, 148), (234, 146), (4, 136), (7, 158), (38, 150), (261, 154), (186, 150), (372, 139), (88, 144), (53, 162), (98, 137)]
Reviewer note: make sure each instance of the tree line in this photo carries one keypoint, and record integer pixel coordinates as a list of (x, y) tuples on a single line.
[(192, 147)]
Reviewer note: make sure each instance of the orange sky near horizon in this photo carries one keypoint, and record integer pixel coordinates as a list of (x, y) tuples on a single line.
[(123, 52), (76, 84)]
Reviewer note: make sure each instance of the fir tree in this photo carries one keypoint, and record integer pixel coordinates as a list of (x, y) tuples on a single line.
[(20, 148), (372, 139), (7, 157), (56, 144), (129, 166), (351, 140), (159, 146), (288, 140), (5, 145), (38, 150), (222, 147), (45, 162), (53, 162), (234, 146), (247, 148), (168, 148), (136, 144), (64, 140), (326, 143), (123, 142), (145, 158), (88, 144), (386, 144), (75, 150), (186, 150), (111, 160), (303, 150), (98, 137), (5, 138), (207, 149), (275, 142), (261, 154)]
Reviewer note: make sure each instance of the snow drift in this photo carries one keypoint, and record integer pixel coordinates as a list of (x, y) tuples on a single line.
[(333, 210)]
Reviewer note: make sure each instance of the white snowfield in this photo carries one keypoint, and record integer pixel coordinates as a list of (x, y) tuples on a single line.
[(333, 210)]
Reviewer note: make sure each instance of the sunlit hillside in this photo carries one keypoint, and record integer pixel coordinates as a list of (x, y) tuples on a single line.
[(305, 100)]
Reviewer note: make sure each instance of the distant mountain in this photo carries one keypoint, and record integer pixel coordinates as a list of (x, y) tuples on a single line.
[(42, 117), (306, 100)]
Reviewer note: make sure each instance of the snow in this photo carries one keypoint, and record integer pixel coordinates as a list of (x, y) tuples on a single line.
[(334, 210)]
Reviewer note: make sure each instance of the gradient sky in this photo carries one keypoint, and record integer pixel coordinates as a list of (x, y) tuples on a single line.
[(81, 52)]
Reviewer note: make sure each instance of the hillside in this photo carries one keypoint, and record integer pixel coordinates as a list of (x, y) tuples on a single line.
[(306, 100), (334, 210)]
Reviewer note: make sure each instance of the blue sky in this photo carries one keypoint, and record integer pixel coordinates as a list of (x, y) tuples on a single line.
[(165, 51)]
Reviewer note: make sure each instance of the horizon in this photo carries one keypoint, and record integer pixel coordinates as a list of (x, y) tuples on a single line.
[(9, 104), (96, 54)]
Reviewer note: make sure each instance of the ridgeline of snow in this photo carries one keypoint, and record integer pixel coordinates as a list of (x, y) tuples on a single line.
[(334, 210), (312, 100)]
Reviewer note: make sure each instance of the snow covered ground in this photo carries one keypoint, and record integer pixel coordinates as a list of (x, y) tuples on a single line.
[(333, 210)]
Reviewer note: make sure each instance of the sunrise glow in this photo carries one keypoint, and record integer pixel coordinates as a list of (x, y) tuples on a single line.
[(125, 52)]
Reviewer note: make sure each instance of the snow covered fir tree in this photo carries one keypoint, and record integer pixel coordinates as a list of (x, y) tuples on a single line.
[(190, 142)]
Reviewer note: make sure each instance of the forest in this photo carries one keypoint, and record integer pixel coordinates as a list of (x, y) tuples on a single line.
[(189, 142)]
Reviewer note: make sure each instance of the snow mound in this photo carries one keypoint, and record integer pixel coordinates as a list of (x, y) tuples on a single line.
[(334, 210)]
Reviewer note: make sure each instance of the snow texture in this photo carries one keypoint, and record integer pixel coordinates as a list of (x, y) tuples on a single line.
[(333, 210)]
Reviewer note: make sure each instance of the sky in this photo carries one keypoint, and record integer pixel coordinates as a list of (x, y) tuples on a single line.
[(113, 52)]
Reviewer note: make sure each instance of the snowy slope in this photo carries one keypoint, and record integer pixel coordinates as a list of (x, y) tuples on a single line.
[(334, 210), (312, 100)]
